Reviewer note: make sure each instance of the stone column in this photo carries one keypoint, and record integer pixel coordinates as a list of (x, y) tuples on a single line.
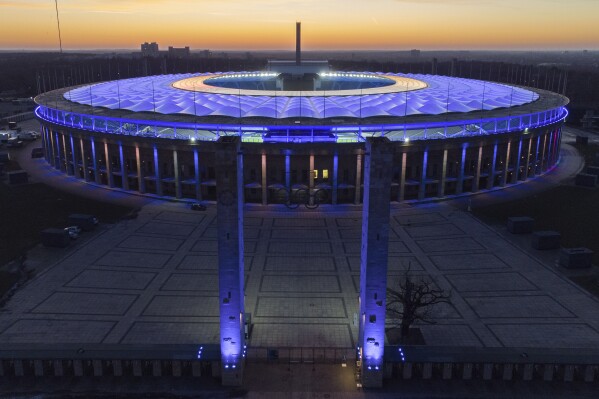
[(479, 159), (357, 193), (537, 146), (460, 183), (157, 173), (95, 160), (491, 178), (177, 171), (335, 178), (441, 186), (506, 165), (378, 172), (527, 161), (550, 151), (57, 157), (196, 171), (402, 178), (73, 157), (141, 182), (229, 210), (544, 154), (65, 161), (516, 173), (264, 181), (311, 180), (124, 171), (422, 186), (83, 159), (288, 173), (109, 175)]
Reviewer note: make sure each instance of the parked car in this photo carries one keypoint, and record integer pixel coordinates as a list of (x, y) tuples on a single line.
[(27, 136), (74, 232), (196, 206), (14, 142)]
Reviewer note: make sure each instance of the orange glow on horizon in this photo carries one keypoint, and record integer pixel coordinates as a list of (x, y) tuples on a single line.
[(327, 24)]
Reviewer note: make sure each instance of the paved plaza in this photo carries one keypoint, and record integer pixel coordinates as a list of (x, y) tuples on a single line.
[(154, 280)]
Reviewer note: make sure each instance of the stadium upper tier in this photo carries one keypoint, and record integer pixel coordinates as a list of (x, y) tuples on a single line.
[(353, 95)]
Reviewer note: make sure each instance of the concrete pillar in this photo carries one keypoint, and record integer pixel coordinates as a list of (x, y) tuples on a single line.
[(407, 371), (467, 371), (460, 183), (487, 371), (506, 164), (95, 161), (137, 372), (537, 146), (378, 172), (177, 170), (117, 368), (156, 368), (19, 371), (508, 371), (124, 171), (58, 368), (491, 178), (229, 210), (176, 368), (196, 171), (196, 370), (544, 154), (288, 173), (528, 372), (141, 182), (97, 366), (78, 368), (548, 372), (427, 371), (57, 159), (38, 368), (589, 373), (516, 173), (157, 172), (109, 175), (358, 191), (422, 186), (569, 373), (65, 160), (479, 160), (73, 157), (335, 178), (83, 159), (550, 151), (402, 178), (441, 186), (447, 370), (527, 160), (264, 181), (311, 173)]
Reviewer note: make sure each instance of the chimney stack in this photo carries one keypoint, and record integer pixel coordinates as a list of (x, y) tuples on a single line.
[(298, 43)]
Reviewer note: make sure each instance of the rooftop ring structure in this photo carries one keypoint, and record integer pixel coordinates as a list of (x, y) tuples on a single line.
[(156, 135)]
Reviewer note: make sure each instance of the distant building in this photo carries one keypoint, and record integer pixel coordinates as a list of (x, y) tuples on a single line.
[(178, 52), (415, 53), (149, 49)]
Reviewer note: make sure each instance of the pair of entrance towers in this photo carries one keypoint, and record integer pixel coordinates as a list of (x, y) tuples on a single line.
[(378, 162)]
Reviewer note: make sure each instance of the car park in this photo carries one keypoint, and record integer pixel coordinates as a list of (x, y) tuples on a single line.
[(74, 232)]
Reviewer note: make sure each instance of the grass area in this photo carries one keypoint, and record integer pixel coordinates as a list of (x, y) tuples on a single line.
[(28, 209)]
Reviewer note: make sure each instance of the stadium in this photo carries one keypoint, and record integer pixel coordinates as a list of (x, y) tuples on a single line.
[(302, 129)]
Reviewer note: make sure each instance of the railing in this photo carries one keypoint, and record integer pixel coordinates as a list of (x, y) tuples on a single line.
[(303, 133)]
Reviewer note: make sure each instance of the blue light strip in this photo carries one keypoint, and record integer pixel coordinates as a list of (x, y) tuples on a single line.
[(302, 133)]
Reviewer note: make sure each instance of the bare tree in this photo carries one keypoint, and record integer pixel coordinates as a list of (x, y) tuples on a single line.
[(413, 301)]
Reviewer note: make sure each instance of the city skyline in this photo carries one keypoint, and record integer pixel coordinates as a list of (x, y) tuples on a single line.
[(329, 24)]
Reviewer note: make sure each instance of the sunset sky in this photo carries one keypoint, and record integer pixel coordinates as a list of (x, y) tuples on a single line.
[(326, 24)]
